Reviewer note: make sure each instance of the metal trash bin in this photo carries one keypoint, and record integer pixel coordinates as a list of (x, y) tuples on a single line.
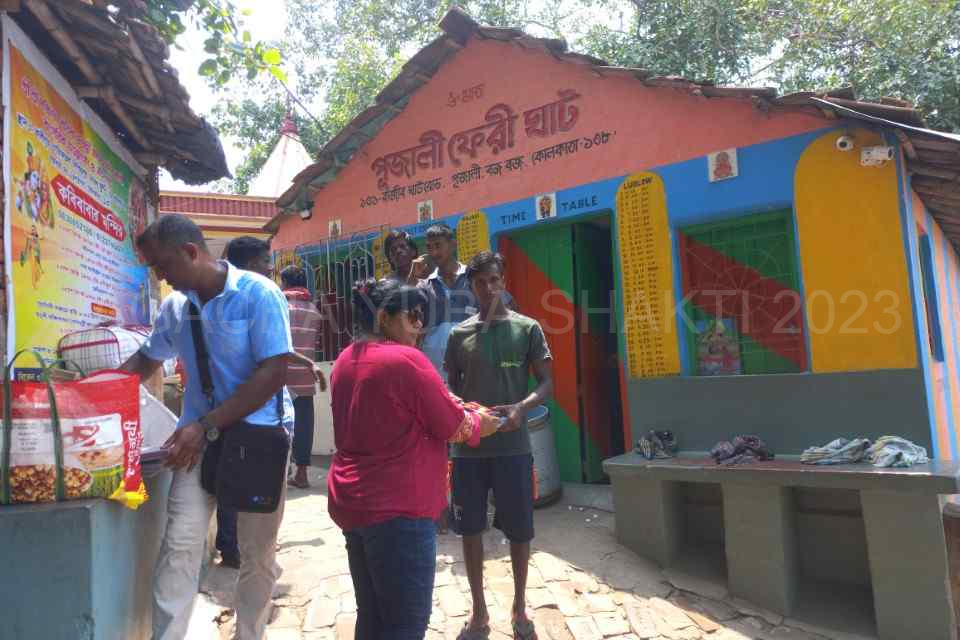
[(545, 463)]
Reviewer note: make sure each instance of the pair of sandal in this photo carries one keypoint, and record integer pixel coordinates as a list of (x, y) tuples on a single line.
[(521, 631), (657, 445)]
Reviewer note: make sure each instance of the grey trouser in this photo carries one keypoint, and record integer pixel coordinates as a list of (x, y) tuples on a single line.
[(177, 574)]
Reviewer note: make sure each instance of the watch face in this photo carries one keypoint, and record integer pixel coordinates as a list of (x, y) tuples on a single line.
[(213, 433)]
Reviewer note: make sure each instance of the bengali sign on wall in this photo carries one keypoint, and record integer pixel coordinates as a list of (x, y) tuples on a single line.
[(643, 235), (74, 206)]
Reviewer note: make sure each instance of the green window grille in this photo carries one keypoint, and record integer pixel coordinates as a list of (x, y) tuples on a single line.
[(741, 285)]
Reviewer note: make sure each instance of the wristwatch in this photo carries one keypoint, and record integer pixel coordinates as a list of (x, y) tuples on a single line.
[(209, 429)]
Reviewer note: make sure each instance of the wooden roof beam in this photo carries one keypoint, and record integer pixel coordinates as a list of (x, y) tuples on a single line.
[(150, 158), (108, 95), (80, 15), (42, 11), (148, 73), (133, 70), (907, 144), (158, 110)]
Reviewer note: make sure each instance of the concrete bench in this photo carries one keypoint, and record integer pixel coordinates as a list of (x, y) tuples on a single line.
[(783, 530)]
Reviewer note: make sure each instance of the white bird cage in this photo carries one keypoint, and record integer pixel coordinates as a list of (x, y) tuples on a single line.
[(101, 348)]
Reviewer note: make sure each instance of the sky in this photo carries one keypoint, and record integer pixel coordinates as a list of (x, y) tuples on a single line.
[(266, 22)]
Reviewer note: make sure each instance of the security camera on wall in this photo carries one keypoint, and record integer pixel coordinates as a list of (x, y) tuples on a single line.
[(845, 143), (875, 156)]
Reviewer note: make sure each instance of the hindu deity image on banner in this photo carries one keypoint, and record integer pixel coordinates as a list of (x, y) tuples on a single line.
[(74, 210)]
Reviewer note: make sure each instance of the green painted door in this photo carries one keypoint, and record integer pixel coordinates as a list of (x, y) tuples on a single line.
[(540, 278), (601, 426)]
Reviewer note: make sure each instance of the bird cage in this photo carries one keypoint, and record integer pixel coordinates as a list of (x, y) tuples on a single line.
[(100, 348)]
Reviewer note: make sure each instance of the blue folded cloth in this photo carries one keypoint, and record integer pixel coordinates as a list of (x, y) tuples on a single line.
[(839, 451), (894, 451)]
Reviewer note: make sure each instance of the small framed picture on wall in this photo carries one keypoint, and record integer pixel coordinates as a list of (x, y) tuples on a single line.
[(546, 206), (425, 211), (723, 165), (334, 228)]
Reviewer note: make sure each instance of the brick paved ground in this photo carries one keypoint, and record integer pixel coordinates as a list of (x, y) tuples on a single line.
[(582, 586)]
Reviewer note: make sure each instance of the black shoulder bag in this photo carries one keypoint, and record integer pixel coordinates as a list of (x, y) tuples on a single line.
[(245, 467)]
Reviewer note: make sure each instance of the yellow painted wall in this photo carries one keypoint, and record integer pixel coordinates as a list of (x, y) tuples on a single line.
[(858, 306)]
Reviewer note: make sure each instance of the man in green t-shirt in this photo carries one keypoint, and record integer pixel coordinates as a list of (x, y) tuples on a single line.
[(489, 359)]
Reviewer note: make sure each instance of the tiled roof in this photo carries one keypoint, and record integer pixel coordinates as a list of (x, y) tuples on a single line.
[(119, 64), (217, 204), (932, 156)]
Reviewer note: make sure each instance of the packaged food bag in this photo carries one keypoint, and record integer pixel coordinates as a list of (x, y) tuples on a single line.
[(72, 440)]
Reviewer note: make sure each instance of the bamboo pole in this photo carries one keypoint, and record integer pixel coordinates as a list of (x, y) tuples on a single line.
[(148, 73), (59, 33), (160, 111), (133, 69), (109, 97), (55, 27)]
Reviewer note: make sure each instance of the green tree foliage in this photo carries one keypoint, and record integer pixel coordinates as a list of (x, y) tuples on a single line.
[(906, 49), (340, 54), (700, 40), (230, 49)]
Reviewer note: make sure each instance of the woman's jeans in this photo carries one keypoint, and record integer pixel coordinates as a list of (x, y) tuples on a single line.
[(393, 564)]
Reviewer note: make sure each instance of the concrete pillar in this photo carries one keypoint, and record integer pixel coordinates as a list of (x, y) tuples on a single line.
[(908, 566), (760, 543), (648, 517)]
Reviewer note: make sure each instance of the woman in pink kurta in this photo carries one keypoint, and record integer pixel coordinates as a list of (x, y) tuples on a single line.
[(392, 419)]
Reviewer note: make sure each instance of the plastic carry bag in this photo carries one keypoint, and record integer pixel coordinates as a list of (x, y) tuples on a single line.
[(71, 440)]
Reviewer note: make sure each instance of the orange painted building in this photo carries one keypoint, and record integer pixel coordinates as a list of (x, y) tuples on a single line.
[(707, 260)]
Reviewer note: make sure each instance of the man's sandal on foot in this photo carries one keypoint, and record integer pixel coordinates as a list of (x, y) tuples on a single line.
[(524, 630), (474, 634)]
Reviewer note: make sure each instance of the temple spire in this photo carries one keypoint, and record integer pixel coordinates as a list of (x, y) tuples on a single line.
[(288, 158)]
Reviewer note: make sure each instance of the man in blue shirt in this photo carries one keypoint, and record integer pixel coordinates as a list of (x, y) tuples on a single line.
[(246, 328), (451, 300)]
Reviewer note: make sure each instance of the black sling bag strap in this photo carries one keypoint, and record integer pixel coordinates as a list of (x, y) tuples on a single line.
[(245, 467)]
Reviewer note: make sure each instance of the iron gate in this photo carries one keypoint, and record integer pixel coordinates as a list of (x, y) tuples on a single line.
[(333, 266)]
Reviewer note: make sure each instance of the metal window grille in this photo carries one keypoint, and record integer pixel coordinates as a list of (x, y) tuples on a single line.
[(333, 266), (745, 312)]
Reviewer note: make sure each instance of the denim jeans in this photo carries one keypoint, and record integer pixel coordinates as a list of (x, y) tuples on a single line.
[(393, 565), (227, 531), (302, 430)]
